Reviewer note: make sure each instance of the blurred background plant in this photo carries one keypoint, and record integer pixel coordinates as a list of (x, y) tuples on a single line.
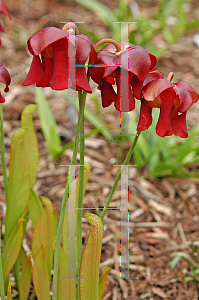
[(193, 273), (170, 19)]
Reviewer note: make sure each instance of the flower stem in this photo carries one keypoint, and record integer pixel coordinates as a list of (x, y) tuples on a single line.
[(81, 192), (3, 153), (119, 176), (63, 207)]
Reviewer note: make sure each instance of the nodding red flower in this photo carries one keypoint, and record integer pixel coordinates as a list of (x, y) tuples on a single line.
[(173, 99), (4, 10), (139, 63), (4, 78), (52, 68)]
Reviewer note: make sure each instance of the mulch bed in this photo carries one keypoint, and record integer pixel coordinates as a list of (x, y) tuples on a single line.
[(164, 213)]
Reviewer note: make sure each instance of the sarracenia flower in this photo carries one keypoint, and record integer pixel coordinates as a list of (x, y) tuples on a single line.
[(139, 63), (4, 78), (173, 99), (52, 68)]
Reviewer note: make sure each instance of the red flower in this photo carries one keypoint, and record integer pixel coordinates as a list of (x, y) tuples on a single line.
[(53, 71), (139, 63), (4, 78), (173, 99)]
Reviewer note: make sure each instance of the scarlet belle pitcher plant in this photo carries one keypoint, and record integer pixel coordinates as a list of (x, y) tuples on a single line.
[(50, 68)]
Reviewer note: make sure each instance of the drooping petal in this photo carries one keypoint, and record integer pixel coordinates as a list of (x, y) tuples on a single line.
[(155, 87), (47, 62), (2, 99), (81, 80), (185, 86), (43, 38), (124, 100), (108, 94), (179, 125), (36, 71), (138, 61), (153, 62), (104, 65), (96, 73), (137, 85), (84, 49), (185, 99), (164, 126), (145, 119), (60, 76), (4, 9), (5, 77)]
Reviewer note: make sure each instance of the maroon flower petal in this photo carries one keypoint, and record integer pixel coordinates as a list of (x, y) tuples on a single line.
[(124, 100), (4, 9), (110, 80), (84, 49), (47, 62), (108, 94), (62, 45), (155, 88), (168, 96), (164, 126), (81, 79), (145, 119), (153, 62), (137, 85), (184, 98), (60, 72), (139, 61), (96, 73), (36, 71), (4, 77), (179, 125), (43, 38), (185, 86), (2, 99)]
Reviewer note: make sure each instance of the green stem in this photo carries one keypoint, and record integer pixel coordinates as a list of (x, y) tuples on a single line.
[(81, 192), (63, 207), (1, 273), (119, 176), (3, 153)]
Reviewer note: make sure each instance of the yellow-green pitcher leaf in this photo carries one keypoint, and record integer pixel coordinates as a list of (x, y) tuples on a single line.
[(9, 295), (30, 141), (12, 249), (66, 287), (102, 282), (19, 183), (22, 255), (24, 282), (43, 232), (40, 274), (35, 209), (90, 264), (72, 197)]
